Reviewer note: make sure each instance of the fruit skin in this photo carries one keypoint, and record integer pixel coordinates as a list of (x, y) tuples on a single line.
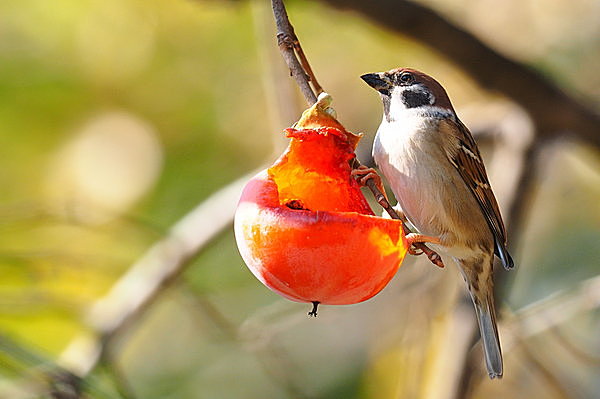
[(333, 258)]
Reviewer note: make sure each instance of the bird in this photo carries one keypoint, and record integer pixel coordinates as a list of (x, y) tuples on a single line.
[(436, 172)]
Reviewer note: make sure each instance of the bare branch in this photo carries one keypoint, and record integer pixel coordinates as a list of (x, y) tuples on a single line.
[(147, 278), (553, 310), (552, 111), (287, 42), (307, 68)]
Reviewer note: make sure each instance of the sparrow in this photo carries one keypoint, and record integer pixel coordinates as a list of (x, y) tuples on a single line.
[(435, 170)]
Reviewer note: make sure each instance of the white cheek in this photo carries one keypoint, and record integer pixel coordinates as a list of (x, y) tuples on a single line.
[(405, 119), (396, 104)]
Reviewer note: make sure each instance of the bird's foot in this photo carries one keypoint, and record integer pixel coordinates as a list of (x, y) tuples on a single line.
[(363, 174), (416, 237), (417, 247), (313, 312), (415, 251)]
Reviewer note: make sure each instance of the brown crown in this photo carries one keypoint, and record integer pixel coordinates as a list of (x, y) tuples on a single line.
[(441, 97)]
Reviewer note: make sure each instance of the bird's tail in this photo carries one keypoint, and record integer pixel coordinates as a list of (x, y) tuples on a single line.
[(486, 318)]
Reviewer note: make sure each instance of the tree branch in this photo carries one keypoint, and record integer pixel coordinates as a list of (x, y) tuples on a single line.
[(287, 42), (552, 111), (148, 277)]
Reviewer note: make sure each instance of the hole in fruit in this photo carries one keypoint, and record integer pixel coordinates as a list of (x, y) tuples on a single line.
[(296, 204)]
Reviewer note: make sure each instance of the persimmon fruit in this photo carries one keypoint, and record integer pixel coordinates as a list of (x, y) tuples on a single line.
[(304, 228)]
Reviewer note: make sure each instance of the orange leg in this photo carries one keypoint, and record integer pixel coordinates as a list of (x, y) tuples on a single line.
[(419, 240), (362, 174), (415, 237)]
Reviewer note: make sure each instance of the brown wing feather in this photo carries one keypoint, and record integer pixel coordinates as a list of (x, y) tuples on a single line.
[(465, 157)]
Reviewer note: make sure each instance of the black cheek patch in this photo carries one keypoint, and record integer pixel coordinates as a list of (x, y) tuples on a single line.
[(414, 99)]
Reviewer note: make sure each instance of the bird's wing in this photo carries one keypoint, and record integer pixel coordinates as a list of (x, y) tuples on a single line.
[(464, 155)]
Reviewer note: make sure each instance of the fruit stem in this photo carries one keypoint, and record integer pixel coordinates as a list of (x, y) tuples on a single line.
[(313, 312)]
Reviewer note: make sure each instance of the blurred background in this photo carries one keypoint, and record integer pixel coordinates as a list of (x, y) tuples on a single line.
[(125, 126)]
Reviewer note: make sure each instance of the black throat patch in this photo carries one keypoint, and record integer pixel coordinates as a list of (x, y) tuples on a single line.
[(414, 99)]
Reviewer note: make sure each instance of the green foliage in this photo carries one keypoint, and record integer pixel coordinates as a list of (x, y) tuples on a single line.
[(118, 117)]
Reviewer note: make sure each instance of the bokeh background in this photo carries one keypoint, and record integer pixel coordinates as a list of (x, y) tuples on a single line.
[(118, 118)]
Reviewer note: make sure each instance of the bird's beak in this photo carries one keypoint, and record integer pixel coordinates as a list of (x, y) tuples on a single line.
[(378, 81)]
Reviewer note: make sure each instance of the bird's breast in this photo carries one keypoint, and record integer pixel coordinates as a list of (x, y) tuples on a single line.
[(427, 186)]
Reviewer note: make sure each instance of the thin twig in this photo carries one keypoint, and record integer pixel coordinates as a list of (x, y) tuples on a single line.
[(306, 66), (291, 50), (282, 103), (286, 39)]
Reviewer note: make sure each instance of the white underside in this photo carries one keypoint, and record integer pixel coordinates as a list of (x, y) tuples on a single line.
[(422, 178)]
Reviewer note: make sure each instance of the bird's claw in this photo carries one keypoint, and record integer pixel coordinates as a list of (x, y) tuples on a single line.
[(418, 242), (435, 258), (368, 177), (363, 173), (415, 251)]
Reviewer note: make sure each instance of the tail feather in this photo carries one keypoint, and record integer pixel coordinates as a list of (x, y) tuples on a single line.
[(486, 318), (477, 273)]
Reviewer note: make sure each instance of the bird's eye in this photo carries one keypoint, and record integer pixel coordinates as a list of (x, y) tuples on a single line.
[(406, 78)]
